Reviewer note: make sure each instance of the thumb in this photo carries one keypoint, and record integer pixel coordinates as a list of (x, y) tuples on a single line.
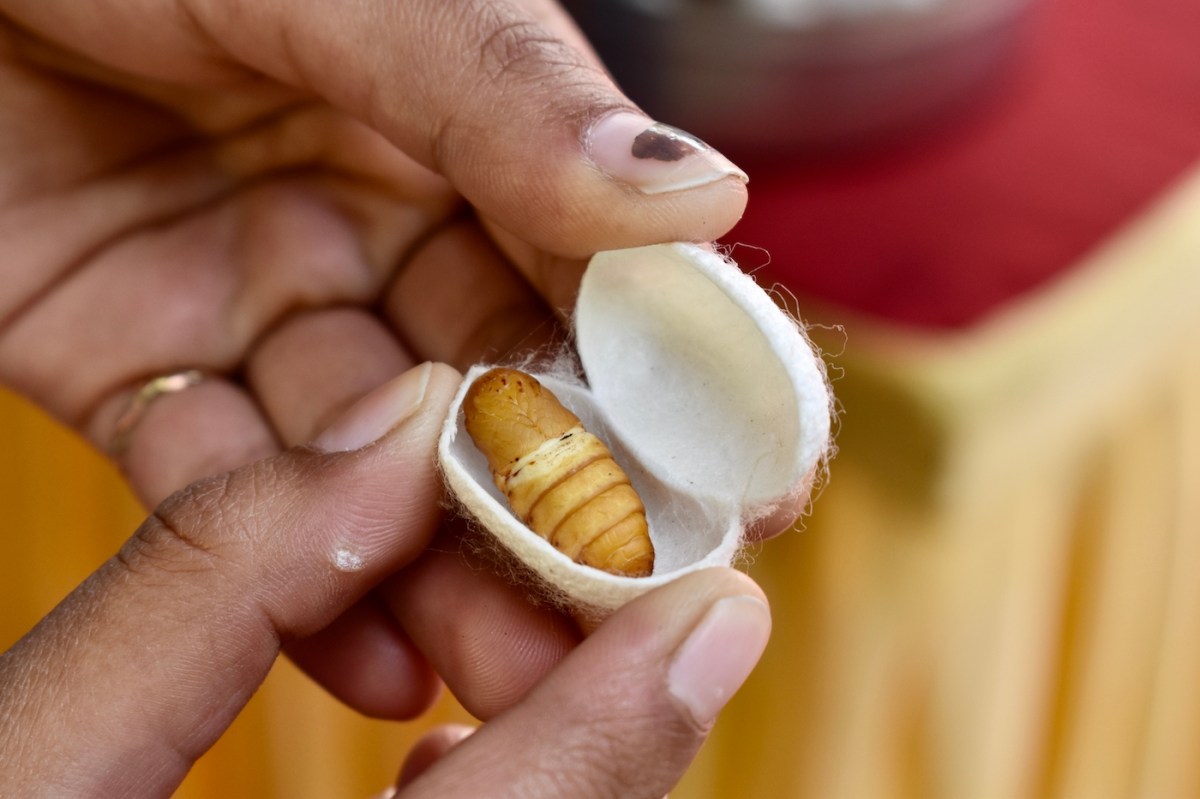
[(504, 99), (138, 671), (625, 712)]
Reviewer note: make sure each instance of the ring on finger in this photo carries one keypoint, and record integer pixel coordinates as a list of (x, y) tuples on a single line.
[(140, 402)]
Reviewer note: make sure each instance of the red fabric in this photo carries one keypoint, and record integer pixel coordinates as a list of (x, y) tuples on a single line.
[(1101, 115)]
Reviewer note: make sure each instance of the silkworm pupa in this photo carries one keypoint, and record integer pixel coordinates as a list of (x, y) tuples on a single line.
[(560, 480)]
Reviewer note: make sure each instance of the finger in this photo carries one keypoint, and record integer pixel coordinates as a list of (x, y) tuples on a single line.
[(789, 515), (581, 169), (556, 166), (306, 373), (625, 713), (194, 292), (365, 660), (432, 747), (314, 365), (485, 639), (205, 429), (459, 301), (154, 655), (554, 277), (494, 94)]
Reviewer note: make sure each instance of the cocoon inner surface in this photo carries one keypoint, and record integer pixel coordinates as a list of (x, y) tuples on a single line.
[(708, 395), (700, 373)]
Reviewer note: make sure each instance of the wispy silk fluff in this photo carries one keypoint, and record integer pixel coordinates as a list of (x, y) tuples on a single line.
[(709, 395)]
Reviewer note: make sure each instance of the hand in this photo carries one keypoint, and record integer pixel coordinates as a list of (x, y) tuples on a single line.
[(304, 199), (272, 191), (139, 670)]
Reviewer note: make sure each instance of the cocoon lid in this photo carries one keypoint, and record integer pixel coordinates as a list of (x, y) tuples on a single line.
[(709, 396), (700, 373)]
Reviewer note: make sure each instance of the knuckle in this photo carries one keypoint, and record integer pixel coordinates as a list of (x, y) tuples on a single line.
[(524, 49), (205, 527), (511, 46), (176, 538)]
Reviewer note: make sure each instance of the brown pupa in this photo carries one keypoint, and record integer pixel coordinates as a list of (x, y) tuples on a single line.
[(560, 480)]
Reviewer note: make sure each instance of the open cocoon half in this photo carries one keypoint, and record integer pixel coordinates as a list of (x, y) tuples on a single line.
[(709, 396)]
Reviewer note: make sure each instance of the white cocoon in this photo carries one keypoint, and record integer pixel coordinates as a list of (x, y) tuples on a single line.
[(709, 396)]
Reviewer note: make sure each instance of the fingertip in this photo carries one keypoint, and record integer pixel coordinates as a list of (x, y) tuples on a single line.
[(718, 655), (654, 158), (569, 165), (432, 747), (789, 515), (599, 186)]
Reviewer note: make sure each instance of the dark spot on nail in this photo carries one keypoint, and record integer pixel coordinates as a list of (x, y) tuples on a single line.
[(654, 143)]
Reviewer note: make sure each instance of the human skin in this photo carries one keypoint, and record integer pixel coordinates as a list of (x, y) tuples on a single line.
[(305, 200)]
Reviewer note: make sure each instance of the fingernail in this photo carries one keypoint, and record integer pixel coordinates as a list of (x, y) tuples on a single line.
[(718, 656), (376, 414), (652, 157)]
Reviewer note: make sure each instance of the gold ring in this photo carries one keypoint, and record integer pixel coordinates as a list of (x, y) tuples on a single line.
[(150, 391)]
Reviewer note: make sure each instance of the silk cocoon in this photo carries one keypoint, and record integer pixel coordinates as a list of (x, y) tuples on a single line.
[(709, 396)]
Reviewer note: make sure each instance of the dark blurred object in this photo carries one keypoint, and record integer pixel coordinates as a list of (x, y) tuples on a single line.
[(755, 75)]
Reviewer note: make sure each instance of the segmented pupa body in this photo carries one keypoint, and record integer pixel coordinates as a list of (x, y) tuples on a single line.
[(560, 480)]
